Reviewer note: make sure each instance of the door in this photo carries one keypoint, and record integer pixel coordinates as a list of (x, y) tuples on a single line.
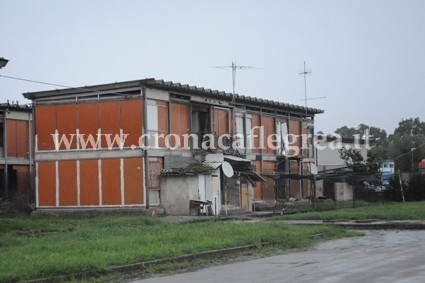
[(216, 201), (201, 190), (245, 197)]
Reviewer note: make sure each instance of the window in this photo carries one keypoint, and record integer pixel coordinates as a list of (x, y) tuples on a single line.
[(179, 124), (240, 131), (244, 129), (157, 122), (201, 123), (283, 143)]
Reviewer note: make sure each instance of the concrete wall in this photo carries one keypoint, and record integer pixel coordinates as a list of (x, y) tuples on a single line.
[(343, 191), (176, 192), (319, 189), (329, 158)]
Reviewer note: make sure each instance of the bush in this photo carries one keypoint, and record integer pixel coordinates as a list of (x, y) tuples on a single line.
[(413, 191), (416, 188)]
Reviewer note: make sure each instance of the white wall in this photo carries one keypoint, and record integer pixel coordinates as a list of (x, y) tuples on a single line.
[(176, 192), (343, 191), (328, 154)]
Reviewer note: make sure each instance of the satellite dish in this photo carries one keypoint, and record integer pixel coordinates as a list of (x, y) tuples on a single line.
[(313, 169), (227, 169)]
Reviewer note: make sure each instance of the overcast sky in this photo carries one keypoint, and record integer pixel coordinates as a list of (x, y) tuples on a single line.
[(366, 57)]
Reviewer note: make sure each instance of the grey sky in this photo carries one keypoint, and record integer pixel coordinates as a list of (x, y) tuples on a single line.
[(366, 57)]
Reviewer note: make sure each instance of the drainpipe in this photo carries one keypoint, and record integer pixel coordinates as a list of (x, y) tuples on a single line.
[(300, 165), (287, 161), (261, 140), (6, 173), (145, 143), (301, 181), (30, 152), (230, 114), (190, 141), (245, 130)]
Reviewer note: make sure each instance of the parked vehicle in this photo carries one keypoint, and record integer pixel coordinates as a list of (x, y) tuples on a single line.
[(387, 172)]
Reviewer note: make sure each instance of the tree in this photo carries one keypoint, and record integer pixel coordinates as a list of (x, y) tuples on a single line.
[(376, 135), (407, 144), (407, 151), (378, 140), (354, 159), (378, 153), (410, 127)]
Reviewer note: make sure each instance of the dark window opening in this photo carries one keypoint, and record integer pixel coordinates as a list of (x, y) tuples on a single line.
[(201, 122)]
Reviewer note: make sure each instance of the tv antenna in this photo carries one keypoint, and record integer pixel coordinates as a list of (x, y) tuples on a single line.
[(234, 67), (305, 73)]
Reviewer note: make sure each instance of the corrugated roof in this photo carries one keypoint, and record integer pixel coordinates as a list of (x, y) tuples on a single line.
[(171, 86), (16, 106), (212, 165), (236, 158), (168, 85)]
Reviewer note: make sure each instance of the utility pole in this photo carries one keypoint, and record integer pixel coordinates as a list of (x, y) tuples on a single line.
[(305, 73), (413, 164), (3, 63)]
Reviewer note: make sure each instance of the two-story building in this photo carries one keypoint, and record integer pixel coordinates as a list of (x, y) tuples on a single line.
[(148, 142), (15, 153)]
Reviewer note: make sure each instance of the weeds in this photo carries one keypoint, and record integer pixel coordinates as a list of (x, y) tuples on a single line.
[(43, 246), (388, 211)]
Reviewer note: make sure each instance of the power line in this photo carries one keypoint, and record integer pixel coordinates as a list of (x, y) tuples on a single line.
[(34, 81), (406, 153), (89, 89)]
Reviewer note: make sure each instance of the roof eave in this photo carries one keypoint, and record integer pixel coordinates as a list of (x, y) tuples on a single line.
[(170, 86)]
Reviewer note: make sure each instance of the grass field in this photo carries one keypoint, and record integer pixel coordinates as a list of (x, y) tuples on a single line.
[(324, 205), (41, 246), (387, 211)]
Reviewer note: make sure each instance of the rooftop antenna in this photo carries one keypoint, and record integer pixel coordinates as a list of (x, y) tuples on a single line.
[(305, 73), (234, 67)]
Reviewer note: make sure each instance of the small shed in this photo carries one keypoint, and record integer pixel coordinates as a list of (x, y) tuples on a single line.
[(196, 184)]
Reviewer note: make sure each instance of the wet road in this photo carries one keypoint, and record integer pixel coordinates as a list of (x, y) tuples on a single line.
[(379, 256)]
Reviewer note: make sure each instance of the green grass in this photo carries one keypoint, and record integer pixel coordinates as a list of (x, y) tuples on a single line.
[(43, 246), (387, 211), (323, 205)]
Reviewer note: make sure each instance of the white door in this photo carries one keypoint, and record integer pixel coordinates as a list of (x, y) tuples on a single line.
[(201, 189), (216, 197)]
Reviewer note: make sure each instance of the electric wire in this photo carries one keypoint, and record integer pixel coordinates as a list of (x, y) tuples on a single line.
[(85, 88), (406, 153)]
